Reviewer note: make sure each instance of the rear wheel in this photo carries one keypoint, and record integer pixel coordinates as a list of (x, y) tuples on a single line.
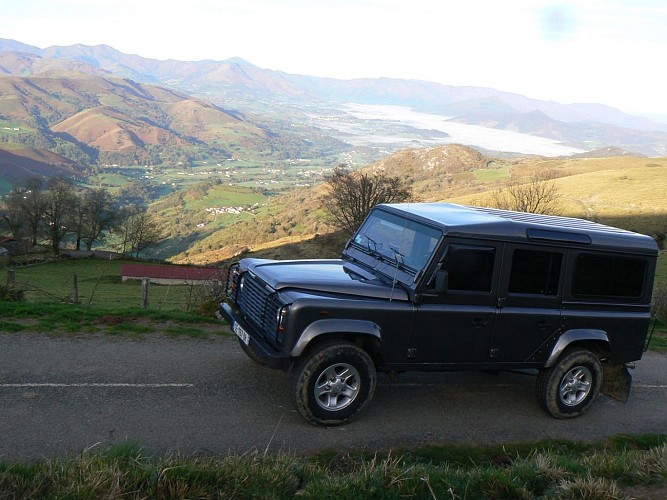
[(333, 383), (569, 388)]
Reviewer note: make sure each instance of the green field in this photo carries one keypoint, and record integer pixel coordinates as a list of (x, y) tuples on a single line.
[(492, 174), (99, 285), (269, 175)]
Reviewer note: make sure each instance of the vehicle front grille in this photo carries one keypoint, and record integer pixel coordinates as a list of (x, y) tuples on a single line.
[(259, 304)]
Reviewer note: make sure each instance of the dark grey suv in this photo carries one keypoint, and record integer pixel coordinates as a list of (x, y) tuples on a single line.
[(436, 286)]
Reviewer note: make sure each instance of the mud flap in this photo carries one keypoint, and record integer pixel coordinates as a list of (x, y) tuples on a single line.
[(616, 382)]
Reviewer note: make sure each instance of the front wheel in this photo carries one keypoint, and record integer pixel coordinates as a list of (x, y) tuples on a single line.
[(333, 383), (569, 388)]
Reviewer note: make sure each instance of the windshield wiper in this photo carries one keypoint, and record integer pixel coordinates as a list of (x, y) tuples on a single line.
[(399, 258), (369, 240)]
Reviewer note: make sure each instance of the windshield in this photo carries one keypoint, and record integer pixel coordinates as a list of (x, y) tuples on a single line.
[(396, 239)]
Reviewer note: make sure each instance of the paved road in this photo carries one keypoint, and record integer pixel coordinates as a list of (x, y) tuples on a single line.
[(59, 396)]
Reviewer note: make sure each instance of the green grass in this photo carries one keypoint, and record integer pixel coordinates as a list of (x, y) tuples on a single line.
[(492, 174), (11, 326), (106, 304), (658, 341), (63, 319), (73, 313), (554, 469), (225, 196), (99, 284)]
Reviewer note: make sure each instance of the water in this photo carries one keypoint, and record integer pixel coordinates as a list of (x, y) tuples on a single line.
[(386, 124)]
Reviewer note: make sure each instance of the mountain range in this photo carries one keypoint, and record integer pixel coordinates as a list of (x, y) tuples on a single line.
[(94, 104)]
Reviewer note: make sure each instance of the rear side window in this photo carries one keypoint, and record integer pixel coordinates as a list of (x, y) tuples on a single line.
[(470, 268), (605, 276), (535, 272)]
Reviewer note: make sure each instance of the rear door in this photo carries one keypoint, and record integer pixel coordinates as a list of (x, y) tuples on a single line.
[(529, 302)]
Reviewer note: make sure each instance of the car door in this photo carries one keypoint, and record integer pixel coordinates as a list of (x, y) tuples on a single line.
[(529, 302), (456, 325)]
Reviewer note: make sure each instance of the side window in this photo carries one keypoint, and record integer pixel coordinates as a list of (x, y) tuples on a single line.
[(470, 268), (535, 272), (604, 276)]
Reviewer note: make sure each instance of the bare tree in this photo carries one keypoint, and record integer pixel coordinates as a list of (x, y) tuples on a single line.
[(13, 214), (100, 216), (137, 230), (25, 209), (539, 195), (60, 203), (123, 229), (144, 232), (79, 218), (352, 195)]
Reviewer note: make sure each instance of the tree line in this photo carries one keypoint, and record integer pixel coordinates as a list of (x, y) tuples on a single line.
[(351, 195), (56, 213)]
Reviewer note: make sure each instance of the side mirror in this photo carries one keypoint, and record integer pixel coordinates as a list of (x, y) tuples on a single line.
[(441, 281)]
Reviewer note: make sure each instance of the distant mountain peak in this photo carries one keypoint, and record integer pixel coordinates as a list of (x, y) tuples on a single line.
[(277, 93)]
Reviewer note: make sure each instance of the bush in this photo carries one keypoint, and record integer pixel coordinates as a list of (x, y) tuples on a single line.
[(660, 303), (11, 294)]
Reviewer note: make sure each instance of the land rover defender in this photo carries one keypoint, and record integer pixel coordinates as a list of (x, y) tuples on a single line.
[(438, 286)]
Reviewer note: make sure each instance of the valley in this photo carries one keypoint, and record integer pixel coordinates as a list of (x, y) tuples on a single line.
[(402, 127), (229, 158)]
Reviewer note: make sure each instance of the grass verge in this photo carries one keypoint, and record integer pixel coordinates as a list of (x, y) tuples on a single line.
[(99, 285), (69, 318), (553, 469)]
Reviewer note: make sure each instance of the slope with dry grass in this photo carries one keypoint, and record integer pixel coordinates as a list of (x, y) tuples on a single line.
[(624, 191), (93, 113)]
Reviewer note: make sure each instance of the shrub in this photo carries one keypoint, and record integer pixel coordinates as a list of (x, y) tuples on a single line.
[(11, 294), (660, 303)]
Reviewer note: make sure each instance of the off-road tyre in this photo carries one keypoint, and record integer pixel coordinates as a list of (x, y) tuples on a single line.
[(570, 386), (332, 383)]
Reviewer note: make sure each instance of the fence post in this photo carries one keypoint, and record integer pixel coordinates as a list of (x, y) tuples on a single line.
[(145, 287), (11, 278), (75, 289)]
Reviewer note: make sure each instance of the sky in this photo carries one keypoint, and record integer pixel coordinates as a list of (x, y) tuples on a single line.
[(611, 52)]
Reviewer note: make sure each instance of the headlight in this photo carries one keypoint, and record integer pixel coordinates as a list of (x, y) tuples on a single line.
[(281, 318), (232, 280)]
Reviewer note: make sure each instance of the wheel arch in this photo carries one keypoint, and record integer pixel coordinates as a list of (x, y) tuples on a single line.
[(594, 340), (365, 334)]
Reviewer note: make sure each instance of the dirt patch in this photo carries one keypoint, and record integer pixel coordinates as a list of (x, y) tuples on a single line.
[(649, 492)]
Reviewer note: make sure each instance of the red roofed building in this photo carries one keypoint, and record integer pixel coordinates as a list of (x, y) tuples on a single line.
[(172, 275)]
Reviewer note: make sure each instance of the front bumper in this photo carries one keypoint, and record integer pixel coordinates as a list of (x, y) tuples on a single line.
[(257, 344)]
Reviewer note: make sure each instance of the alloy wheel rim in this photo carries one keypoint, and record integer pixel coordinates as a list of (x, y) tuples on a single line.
[(337, 387), (575, 386)]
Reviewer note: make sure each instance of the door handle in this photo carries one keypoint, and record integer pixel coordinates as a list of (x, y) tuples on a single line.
[(479, 323)]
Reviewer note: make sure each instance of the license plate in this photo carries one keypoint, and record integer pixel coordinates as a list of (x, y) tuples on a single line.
[(241, 333)]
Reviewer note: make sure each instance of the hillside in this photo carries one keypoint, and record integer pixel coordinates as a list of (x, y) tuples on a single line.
[(94, 114), (20, 63), (297, 216), (92, 119), (294, 99), (18, 162), (627, 192), (624, 191)]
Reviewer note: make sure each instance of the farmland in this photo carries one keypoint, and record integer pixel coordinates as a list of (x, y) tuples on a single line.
[(269, 175), (99, 286)]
